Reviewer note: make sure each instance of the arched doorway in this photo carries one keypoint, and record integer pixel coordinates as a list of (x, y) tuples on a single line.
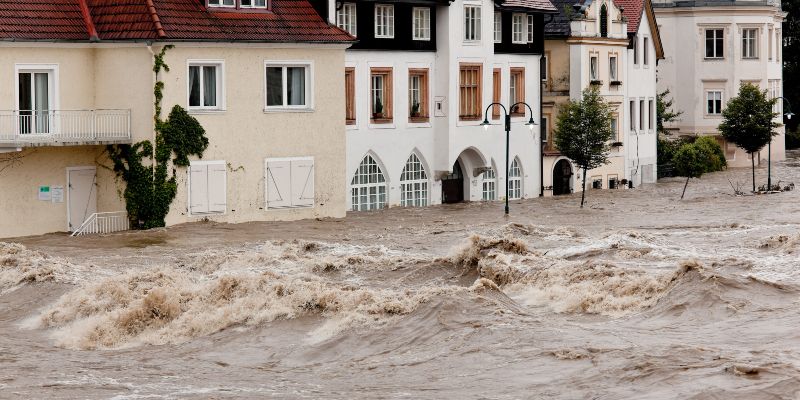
[(562, 178), (453, 185)]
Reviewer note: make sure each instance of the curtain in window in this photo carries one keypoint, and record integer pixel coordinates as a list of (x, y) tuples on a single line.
[(42, 102), (274, 86), (210, 86), (25, 103), (194, 86), (296, 85)]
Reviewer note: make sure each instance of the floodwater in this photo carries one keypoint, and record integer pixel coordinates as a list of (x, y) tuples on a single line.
[(637, 296)]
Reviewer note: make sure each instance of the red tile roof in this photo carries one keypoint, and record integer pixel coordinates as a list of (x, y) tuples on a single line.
[(167, 20), (632, 10)]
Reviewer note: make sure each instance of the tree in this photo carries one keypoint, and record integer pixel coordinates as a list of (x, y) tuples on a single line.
[(749, 122), (690, 162), (583, 132), (664, 111)]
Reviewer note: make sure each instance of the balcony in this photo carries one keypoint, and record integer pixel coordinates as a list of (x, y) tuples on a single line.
[(25, 128)]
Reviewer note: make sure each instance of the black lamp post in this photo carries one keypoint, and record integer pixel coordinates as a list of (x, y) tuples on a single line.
[(507, 118), (788, 115)]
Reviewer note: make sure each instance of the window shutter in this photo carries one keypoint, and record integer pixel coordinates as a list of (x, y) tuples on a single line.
[(278, 182), (302, 183), (217, 190), (198, 193)]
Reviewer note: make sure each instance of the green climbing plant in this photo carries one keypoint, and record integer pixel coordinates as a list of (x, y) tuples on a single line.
[(150, 188)]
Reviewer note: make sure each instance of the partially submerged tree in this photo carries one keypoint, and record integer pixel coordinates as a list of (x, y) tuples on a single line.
[(664, 111), (749, 121), (690, 161), (583, 132)]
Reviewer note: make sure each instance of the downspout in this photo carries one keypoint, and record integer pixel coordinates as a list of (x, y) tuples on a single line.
[(541, 113), (87, 20)]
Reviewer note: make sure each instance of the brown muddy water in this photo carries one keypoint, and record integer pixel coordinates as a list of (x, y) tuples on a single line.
[(637, 296)]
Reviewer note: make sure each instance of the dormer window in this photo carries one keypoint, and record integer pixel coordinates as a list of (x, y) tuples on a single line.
[(384, 21), (243, 4)]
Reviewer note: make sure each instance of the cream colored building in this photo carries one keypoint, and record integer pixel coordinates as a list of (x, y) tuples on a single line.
[(265, 94), (714, 47), (613, 46)]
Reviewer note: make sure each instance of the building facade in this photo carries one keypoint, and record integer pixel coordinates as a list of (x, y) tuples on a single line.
[(713, 47), (418, 83), (253, 73), (613, 46)]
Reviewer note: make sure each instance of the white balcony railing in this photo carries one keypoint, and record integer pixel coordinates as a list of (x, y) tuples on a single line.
[(106, 222), (24, 127)]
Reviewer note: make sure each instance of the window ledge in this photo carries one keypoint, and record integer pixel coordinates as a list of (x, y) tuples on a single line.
[(418, 120), (713, 58), (386, 125), (201, 111), (287, 110), (419, 124), (378, 121)]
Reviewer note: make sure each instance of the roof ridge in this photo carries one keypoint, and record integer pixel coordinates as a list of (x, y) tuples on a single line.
[(87, 19), (151, 8)]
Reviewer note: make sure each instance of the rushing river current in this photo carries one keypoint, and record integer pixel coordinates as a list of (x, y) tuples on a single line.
[(639, 295)]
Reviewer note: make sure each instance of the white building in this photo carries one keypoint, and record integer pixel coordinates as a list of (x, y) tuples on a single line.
[(713, 47), (418, 83)]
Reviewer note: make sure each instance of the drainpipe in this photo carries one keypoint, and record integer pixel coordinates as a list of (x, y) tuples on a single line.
[(541, 114)]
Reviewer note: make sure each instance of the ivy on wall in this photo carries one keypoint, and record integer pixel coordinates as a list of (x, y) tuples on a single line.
[(150, 187)]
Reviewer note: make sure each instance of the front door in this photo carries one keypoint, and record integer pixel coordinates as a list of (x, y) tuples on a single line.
[(562, 175), (453, 185), (81, 195)]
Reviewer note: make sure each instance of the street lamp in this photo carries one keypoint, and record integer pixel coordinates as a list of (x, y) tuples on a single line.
[(788, 116), (507, 119)]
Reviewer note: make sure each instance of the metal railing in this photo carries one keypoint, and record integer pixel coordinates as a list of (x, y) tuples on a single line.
[(70, 126), (105, 222)]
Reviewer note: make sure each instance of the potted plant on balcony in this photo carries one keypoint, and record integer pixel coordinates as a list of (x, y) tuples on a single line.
[(415, 110), (377, 112)]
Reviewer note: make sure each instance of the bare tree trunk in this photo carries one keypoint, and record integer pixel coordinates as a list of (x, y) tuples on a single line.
[(583, 192), (684, 187), (753, 162)]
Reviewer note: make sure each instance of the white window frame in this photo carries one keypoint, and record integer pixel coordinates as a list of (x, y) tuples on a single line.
[(472, 23), (189, 186), (220, 65), (529, 29), (715, 56), (368, 171), (52, 89), (721, 102), (613, 68), (645, 51), (594, 68), (519, 28), (346, 18), (309, 66), (515, 181), (498, 27), (253, 4), (489, 185), (384, 31), (753, 40), (416, 199), (221, 4), (422, 14), (636, 51)]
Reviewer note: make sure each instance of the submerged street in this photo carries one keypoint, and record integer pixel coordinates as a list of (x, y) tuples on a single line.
[(638, 295)]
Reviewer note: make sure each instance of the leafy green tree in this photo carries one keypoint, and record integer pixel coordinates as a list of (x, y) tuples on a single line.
[(749, 122), (583, 132), (712, 153), (690, 162), (664, 111)]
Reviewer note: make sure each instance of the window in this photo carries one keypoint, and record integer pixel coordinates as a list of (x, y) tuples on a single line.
[(287, 86), (489, 184), (545, 128), (384, 21), (714, 43), (239, 3), (635, 45), (472, 23), (422, 23), (612, 69), (222, 3), (651, 116), (543, 67), (496, 91), (517, 87), (771, 41), (641, 115), (346, 18), (470, 91), (498, 27), (604, 21), (350, 95), (413, 184), (289, 182), (749, 43), (614, 129), (529, 30), (518, 27), (368, 187), (35, 100), (714, 102), (646, 51), (381, 94), (205, 86), (253, 3), (515, 180), (594, 74), (418, 95), (633, 115), (207, 187)]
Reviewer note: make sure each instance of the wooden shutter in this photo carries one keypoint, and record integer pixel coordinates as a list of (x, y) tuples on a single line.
[(198, 189), (302, 178), (278, 183), (217, 190)]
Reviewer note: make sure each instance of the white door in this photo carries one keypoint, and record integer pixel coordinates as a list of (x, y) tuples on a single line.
[(81, 195)]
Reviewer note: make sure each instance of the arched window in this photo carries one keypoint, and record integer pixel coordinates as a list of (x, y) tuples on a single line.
[(604, 21), (515, 180), (489, 183), (414, 183), (368, 187)]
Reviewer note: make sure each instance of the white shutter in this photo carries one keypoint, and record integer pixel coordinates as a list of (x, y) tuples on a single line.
[(278, 182), (303, 183), (217, 190), (198, 189)]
